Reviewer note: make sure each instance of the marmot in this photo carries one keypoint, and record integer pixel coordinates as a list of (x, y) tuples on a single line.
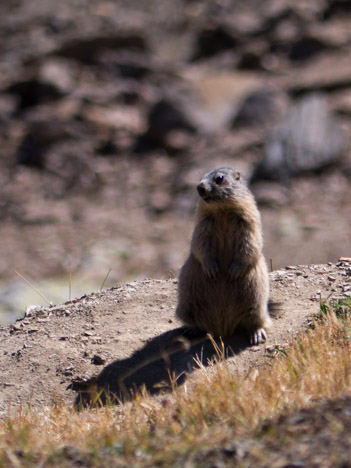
[(224, 284)]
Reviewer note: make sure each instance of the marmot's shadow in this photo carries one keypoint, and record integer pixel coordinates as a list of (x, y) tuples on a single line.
[(165, 359)]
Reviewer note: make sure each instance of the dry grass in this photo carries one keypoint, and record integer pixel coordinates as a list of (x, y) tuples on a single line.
[(207, 414)]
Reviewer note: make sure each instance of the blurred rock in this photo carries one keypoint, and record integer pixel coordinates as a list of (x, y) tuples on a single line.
[(271, 194), (164, 117), (305, 48), (73, 165), (342, 102), (252, 55), (291, 38), (212, 40), (127, 64), (308, 139), (336, 8), (33, 91), (117, 117), (8, 106), (326, 73), (261, 108), (88, 49), (246, 22), (336, 33), (107, 148), (49, 81), (178, 141), (58, 73), (38, 139), (215, 95)]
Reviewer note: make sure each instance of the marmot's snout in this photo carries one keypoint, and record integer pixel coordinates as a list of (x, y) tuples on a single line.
[(201, 189)]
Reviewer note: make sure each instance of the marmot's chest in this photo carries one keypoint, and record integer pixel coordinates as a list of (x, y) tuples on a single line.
[(226, 236)]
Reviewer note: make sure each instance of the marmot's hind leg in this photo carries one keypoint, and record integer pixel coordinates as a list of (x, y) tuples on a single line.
[(193, 333)]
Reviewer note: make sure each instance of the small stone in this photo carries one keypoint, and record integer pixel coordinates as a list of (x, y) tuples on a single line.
[(97, 360), (31, 309)]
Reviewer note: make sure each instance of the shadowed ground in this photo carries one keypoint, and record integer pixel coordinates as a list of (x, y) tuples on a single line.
[(128, 337), (162, 362)]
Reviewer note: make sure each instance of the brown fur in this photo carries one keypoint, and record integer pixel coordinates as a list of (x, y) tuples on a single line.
[(224, 285)]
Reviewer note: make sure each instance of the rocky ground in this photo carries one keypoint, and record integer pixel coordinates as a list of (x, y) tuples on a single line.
[(125, 337), (111, 111)]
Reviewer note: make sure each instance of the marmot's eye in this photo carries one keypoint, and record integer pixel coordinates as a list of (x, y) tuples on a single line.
[(219, 179)]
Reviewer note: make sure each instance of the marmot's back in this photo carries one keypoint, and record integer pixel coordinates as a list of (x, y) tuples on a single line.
[(223, 285)]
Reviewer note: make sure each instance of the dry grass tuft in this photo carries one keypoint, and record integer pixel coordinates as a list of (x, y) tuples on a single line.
[(213, 409)]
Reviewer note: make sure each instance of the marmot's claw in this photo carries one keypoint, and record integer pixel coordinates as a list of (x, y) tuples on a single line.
[(234, 273), (212, 269), (214, 273), (258, 336), (235, 270)]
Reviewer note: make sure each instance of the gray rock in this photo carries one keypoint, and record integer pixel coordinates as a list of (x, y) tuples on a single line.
[(308, 139), (164, 117), (87, 49), (211, 40), (261, 107), (328, 72)]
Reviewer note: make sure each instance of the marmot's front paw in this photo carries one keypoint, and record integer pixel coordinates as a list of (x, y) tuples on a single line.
[(258, 336), (235, 270), (211, 268)]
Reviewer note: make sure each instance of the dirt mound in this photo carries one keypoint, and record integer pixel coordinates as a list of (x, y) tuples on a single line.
[(127, 336)]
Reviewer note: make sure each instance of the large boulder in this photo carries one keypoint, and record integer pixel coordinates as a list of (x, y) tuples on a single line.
[(308, 139)]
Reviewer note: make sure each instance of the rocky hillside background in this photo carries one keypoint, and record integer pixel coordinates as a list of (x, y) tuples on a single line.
[(111, 111)]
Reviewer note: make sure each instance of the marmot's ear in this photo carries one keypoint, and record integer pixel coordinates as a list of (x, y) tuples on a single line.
[(237, 175)]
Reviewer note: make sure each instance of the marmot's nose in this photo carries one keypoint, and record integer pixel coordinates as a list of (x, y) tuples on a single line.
[(201, 189)]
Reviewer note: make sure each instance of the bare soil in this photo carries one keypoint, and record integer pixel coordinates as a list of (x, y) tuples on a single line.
[(125, 337)]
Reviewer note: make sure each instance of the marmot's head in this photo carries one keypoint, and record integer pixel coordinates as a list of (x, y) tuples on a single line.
[(222, 185)]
